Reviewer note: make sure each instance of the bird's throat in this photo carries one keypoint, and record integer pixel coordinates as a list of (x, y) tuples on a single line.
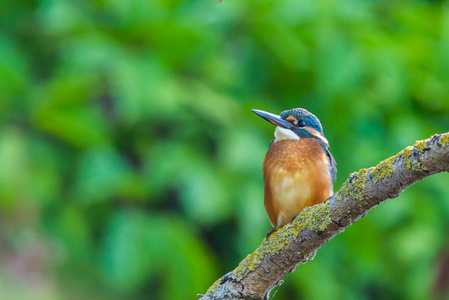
[(284, 134)]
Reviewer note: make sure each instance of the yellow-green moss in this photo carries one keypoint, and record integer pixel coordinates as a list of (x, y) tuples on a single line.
[(417, 166), (444, 139), (214, 286), (407, 152), (406, 155), (420, 145), (356, 182), (315, 218), (383, 169), (354, 185)]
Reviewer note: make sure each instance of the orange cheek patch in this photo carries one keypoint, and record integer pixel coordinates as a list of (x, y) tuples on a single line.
[(312, 131), (317, 134), (291, 119)]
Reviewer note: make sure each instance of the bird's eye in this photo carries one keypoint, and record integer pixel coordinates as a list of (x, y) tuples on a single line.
[(301, 123)]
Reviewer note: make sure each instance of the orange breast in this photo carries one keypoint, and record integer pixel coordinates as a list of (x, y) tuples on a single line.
[(296, 175)]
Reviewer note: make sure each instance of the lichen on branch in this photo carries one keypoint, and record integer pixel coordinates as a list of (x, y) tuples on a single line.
[(296, 243)]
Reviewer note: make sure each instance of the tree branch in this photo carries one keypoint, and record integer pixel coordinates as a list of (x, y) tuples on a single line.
[(296, 243)]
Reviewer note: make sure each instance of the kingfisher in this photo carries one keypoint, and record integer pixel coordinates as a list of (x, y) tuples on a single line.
[(298, 169)]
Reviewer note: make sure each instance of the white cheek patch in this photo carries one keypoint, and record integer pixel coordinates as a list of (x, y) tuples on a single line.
[(322, 138), (284, 134)]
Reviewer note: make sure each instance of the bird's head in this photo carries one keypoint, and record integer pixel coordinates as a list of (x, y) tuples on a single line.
[(294, 124)]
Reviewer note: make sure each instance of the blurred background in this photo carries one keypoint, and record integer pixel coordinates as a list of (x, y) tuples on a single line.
[(130, 160)]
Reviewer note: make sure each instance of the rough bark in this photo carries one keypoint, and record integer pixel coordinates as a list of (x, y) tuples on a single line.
[(297, 243)]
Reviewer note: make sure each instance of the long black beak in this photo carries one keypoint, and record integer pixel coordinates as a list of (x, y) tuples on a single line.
[(272, 118)]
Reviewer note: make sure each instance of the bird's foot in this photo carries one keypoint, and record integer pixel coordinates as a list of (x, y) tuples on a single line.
[(291, 221), (270, 233)]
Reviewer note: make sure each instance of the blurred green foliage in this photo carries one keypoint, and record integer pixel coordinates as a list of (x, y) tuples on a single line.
[(130, 162)]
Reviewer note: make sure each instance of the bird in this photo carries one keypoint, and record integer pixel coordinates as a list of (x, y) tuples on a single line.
[(298, 169)]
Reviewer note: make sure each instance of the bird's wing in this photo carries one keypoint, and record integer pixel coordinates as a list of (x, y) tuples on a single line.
[(332, 162), (332, 165)]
